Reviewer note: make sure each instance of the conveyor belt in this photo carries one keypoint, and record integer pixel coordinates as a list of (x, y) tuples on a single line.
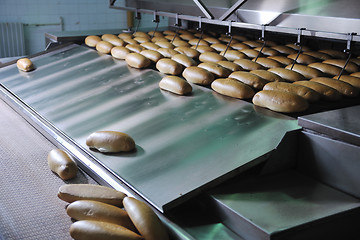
[(29, 208)]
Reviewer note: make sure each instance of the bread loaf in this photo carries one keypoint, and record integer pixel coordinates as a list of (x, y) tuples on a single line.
[(108, 36), (334, 53), (284, 49), (175, 85), (125, 35), (302, 58), (304, 92), (252, 44), (141, 34), (190, 52), (196, 41), (219, 47), (187, 37), (251, 53), (211, 57), (134, 48), (96, 230), (239, 46), (356, 74), (216, 69), (167, 52), (352, 80), (153, 55), (145, 220), (350, 67), (110, 141), (268, 76), (117, 42), (268, 63), (250, 79), (268, 51), (281, 59), (73, 192), (155, 34), (211, 40), (98, 211), (184, 60), (203, 49), (343, 87), (130, 41), (25, 65), (233, 67), (232, 55), (232, 88), (149, 45), (62, 164), (169, 66), (280, 101), (248, 65), (306, 71), (327, 93), (136, 60), (286, 74), (91, 41), (297, 47), (104, 47), (160, 39), (318, 55), (119, 52), (180, 43), (329, 69), (168, 32), (198, 75)]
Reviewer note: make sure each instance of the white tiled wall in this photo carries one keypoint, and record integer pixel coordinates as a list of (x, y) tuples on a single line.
[(77, 15)]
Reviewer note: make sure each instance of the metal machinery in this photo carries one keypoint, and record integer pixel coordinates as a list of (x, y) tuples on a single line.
[(211, 167)]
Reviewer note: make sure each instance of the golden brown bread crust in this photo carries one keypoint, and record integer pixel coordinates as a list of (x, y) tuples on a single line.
[(130, 41), (211, 57), (180, 43), (297, 47), (211, 40), (343, 87), (232, 88), (175, 85), (252, 44), (302, 58), (215, 69), (350, 67), (233, 67), (116, 42), (329, 69), (125, 35), (167, 52), (248, 65), (251, 53), (334, 53), (110, 141), (318, 55), (306, 71), (196, 41), (190, 52), (149, 45), (280, 101), (269, 76), (136, 60), (282, 59), (232, 55), (141, 34), (184, 60), (119, 52), (284, 49), (134, 48), (198, 75), (304, 92), (92, 40), (169, 66), (25, 64), (159, 39), (187, 37), (239, 46), (203, 49), (250, 79), (107, 36), (286, 74), (155, 34), (352, 80), (268, 63), (104, 47), (356, 74), (153, 55), (62, 164), (326, 92), (268, 51), (218, 47)]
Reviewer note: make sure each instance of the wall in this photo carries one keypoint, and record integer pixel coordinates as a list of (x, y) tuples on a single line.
[(76, 15)]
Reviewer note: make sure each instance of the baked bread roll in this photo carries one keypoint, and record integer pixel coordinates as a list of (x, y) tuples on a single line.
[(155, 34), (356, 74), (159, 39), (302, 58), (98, 211), (190, 52), (326, 68), (145, 220), (62, 164), (173, 38), (248, 65), (343, 87), (184, 60), (281, 59), (354, 81), (141, 34), (252, 44), (96, 230), (268, 43), (73, 192), (134, 48), (108, 36), (304, 92), (149, 45), (232, 88), (284, 49), (211, 57), (175, 85), (307, 72), (130, 41), (125, 35), (327, 93), (163, 44), (297, 47), (167, 52), (233, 67), (239, 46), (227, 39), (280, 101), (355, 60), (350, 67), (196, 41), (219, 47), (119, 52), (180, 43), (250, 79), (334, 53), (187, 37), (216, 69), (110, 141), (168, 32), (169, 66), (203, 49), (211, 40), (318, 55), (268, 63), (268, 76), (91, 40), (117, 42), (198, 75), (153, 55), (287, 74), (232, 55), (104, 47), (251, 53), (25, 65), (268, 51)]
